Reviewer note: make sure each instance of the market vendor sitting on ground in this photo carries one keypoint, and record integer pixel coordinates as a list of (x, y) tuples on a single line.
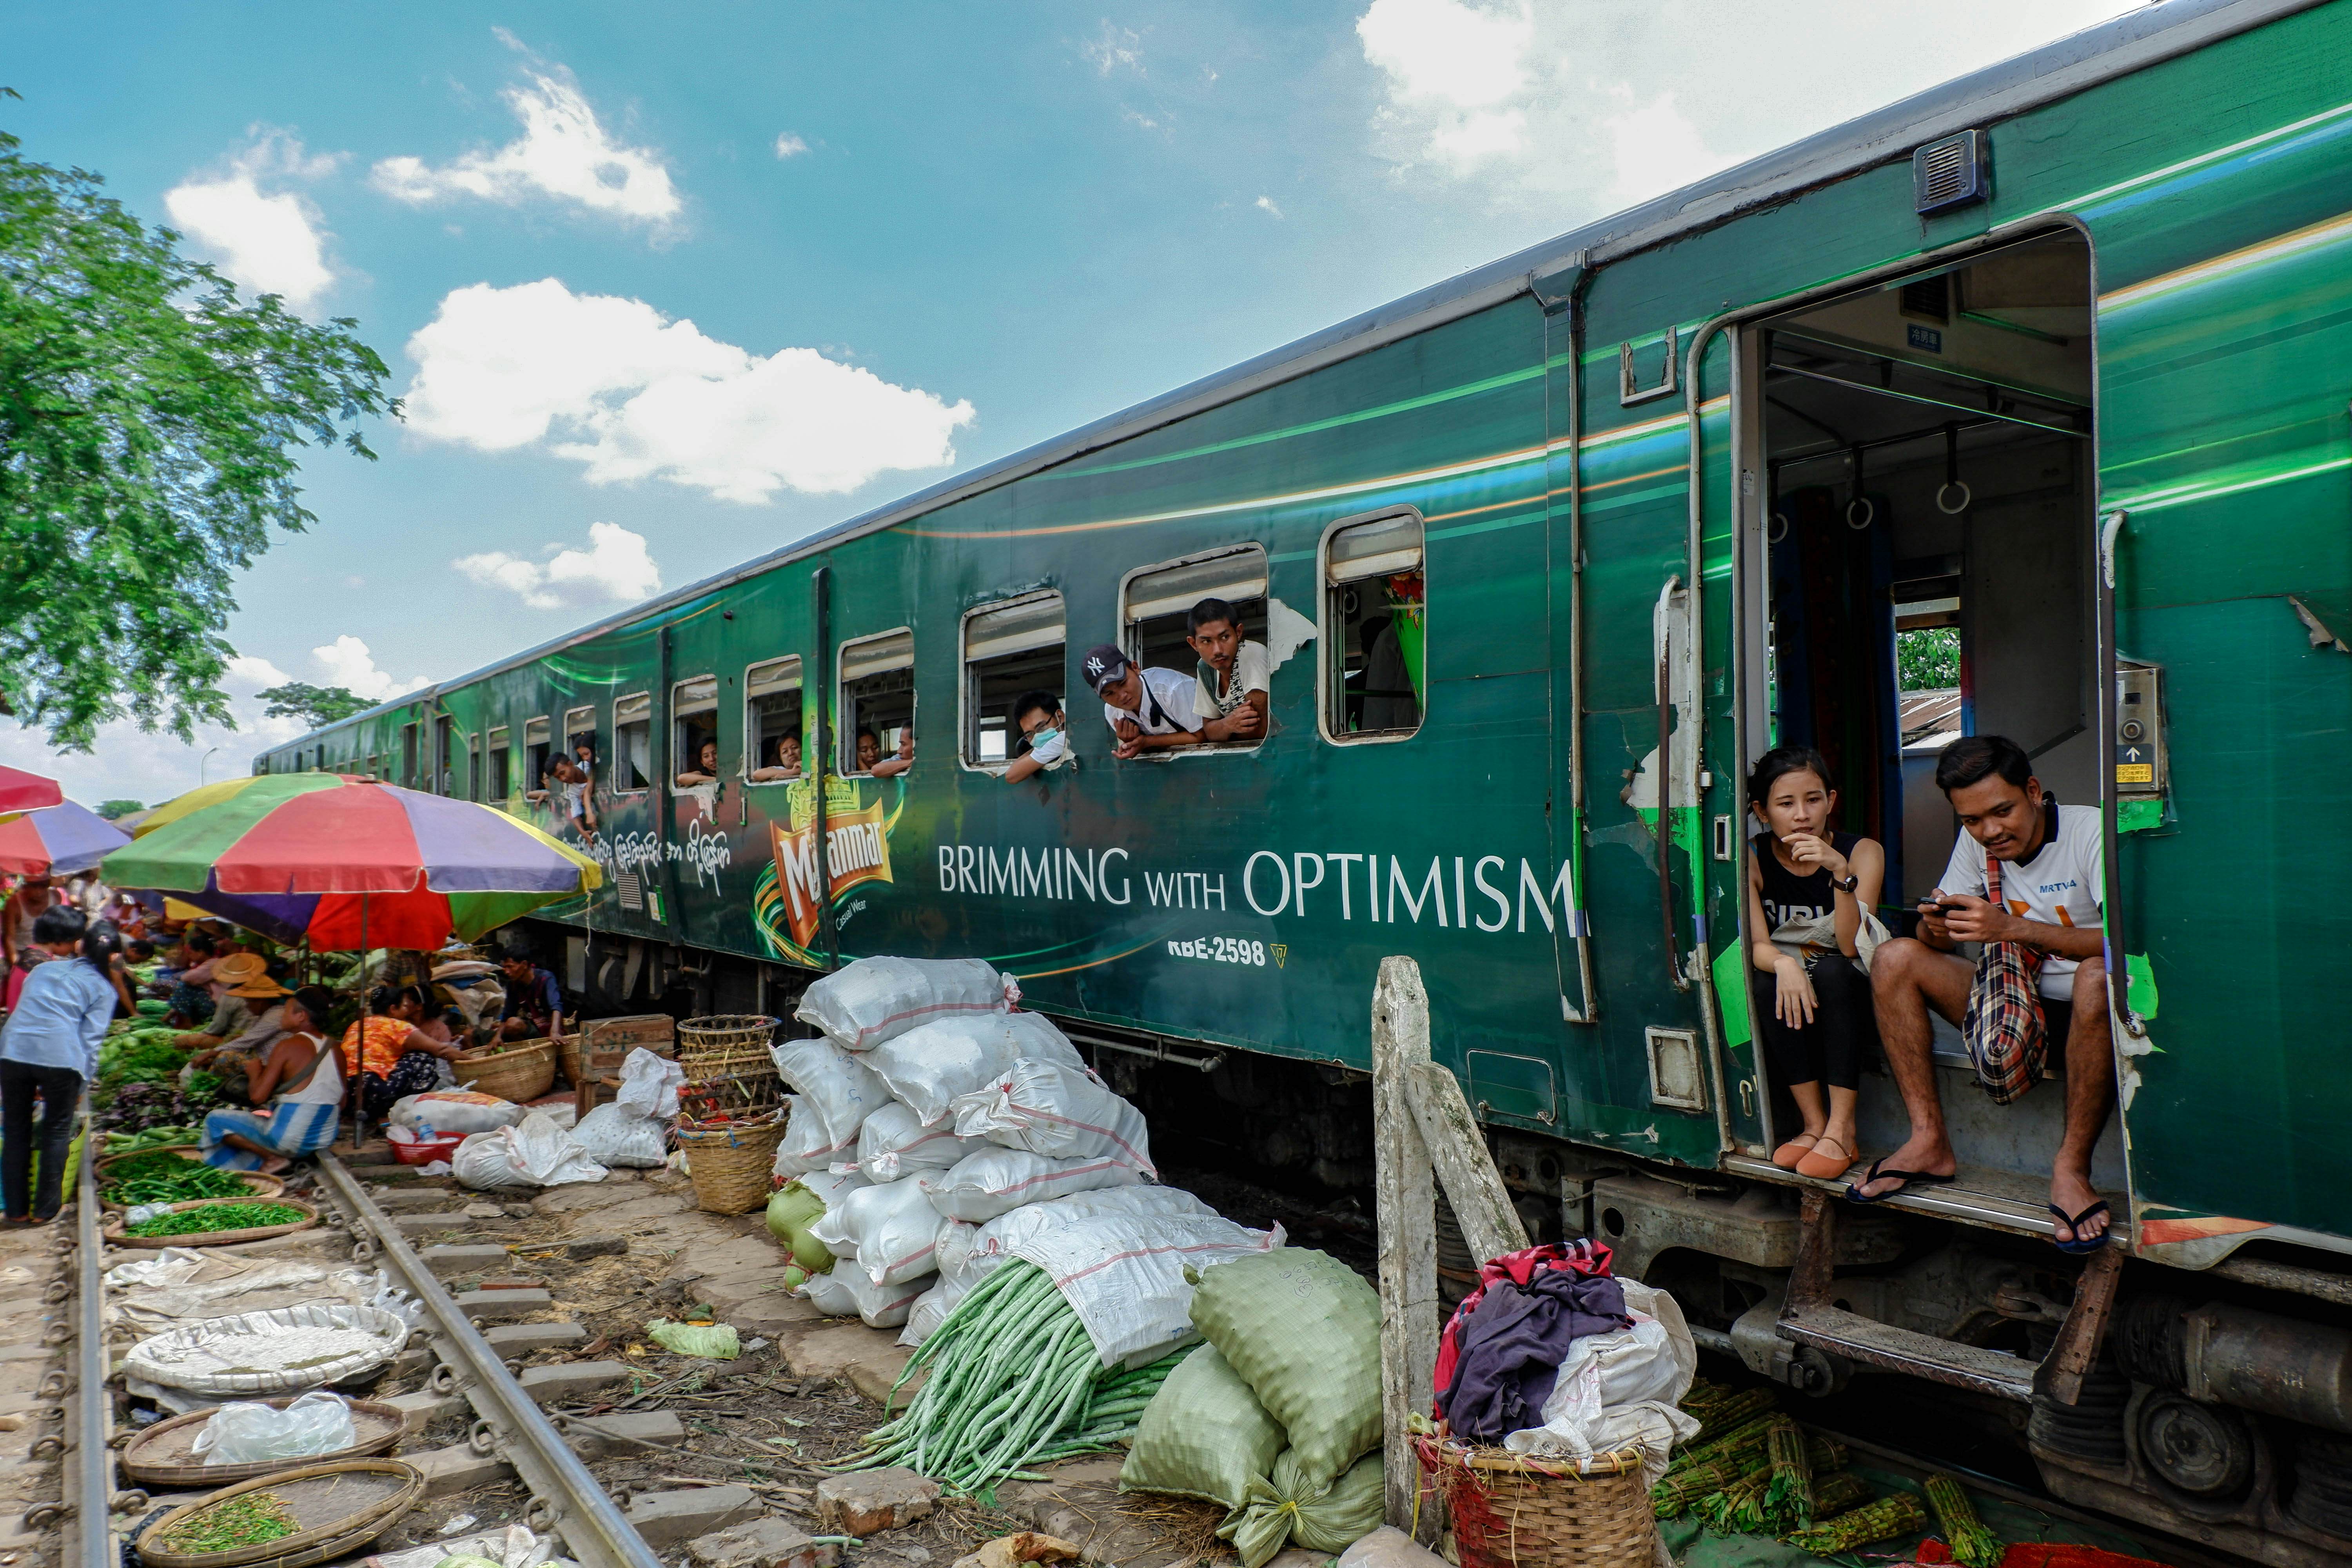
[(1230, 690), (787, 765), (395, 1058), (242, 1028), (298, 1090), (2051, 866), (534, 1006), (1044, 742), (1148, 709)]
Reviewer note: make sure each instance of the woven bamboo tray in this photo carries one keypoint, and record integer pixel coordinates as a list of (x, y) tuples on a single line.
[(733, 1163), (725, 1045), (341, 1505), (163, 1455), (519, 1070), (257, 1184), (115, 1228), (1526, 1511)]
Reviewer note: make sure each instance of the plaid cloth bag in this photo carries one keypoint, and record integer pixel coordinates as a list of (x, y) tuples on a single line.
[(2002, 1027)]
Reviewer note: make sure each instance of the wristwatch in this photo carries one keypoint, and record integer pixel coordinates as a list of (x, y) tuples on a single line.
[(1848, 884)]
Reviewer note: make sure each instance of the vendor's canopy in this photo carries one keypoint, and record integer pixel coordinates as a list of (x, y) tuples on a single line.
[(57, 840), (348, 861), (21, 791)]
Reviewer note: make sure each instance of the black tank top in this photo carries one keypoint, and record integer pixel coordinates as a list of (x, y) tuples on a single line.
[(1789, 897)]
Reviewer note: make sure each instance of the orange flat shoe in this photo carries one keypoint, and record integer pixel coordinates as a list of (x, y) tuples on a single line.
[(1825, 1167), (1787, 1154)]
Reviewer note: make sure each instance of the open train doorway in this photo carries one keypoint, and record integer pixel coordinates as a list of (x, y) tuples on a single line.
[(1925, 571)]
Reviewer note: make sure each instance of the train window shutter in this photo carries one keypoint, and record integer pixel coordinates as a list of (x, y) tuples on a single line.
[(1236, 576)]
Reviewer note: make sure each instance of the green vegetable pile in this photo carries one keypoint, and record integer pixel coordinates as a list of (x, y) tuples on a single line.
[(1015, 1381), (218, 1216), (158, 1176), (151, 1138), (246, 1519), (139, 1056)]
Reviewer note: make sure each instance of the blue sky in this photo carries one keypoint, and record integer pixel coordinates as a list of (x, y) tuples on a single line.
[(668, 288)]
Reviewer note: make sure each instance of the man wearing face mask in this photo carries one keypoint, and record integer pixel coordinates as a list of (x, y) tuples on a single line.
[(1044, 743)]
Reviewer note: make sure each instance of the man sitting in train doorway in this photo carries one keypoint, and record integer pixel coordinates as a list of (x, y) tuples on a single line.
[(1147, 710), (2051, 869), (1230, 697)]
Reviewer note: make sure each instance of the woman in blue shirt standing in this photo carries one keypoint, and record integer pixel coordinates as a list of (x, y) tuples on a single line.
[(49, 1051)]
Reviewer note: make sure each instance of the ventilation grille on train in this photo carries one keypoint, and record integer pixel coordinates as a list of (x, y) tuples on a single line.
[(632, 889), (1951, 173)]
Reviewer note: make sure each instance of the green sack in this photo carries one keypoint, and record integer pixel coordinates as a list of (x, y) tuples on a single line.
[(1303, 1329), (791, 1212), (1331, 1519), (716, 1341), (1205, 1435)]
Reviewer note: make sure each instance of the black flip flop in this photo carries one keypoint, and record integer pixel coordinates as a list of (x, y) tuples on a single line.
[(2079, 1245), (1878, 1172)]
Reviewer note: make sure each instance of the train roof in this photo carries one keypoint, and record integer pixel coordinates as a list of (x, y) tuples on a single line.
[(2157, 32)]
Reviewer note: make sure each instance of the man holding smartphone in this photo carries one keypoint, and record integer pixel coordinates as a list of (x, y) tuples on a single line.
[(2052, 873)]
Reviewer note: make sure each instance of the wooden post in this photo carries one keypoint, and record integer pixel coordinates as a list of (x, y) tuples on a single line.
[(1407, 1212), (1481, 1206)]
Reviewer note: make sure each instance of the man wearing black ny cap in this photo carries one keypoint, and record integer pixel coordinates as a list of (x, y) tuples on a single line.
[(1148, 709)]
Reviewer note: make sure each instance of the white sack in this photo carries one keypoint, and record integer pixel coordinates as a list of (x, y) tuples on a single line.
[(927, 1068), (649, 1084), (864, 1003), (893, 1144), (535, 1152), (1621, 1389), (841, 1089), (1118, 1258), (953, 1254), (891, 1231), (808, 1147), (615, 1135), (994, 1181), (930, 1311), (1051, 1109), (845, 1292), (831, 1186), (453, 1110)]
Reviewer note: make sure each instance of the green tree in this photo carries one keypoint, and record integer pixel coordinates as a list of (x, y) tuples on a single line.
[(316, 706), (112, 809), (150, 429), (1927, 659)]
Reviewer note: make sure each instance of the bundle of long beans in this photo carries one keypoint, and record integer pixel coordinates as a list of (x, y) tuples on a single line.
[(1015, 1381), (1833, 1495), (1689, 1486), (1744, 1442), (1788, 1489), (1675, 1494), (1898, 1513), (1731, 1413), (1973, 1545)]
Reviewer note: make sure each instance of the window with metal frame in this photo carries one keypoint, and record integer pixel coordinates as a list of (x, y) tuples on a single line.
[(1156, 604), (632, 743), (444, 755), (1008, 649), (580, 741), (772, 720), (1375, 603), (501, 764), (537, 755), (408, 754), (694, 724), (878, 698)]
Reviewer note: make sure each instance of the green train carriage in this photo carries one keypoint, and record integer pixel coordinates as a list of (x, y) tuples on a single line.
[(2052, 356)]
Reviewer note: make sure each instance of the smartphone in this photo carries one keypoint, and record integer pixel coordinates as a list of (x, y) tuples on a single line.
[(1946, 910)]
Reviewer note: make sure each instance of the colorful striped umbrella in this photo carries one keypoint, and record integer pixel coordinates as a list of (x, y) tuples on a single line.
[(21, 791), (57, 840), (346, 862)]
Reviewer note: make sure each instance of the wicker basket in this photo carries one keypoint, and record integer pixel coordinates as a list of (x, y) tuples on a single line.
[(257, 1186), (162, 1456), (733, 1162), (728, 1045), (1524, 1511), (518, 1071), (115, 1227), (341, 1505)]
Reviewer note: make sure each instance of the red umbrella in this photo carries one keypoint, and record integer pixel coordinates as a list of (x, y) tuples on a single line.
[(21, 791)]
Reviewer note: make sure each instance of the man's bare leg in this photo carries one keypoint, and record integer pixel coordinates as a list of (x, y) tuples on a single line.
[(1906, 978), (2090, 1096)]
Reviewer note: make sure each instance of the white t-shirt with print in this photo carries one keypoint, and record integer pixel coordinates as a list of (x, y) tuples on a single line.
[(1251, 668), (2062, 885), (1173, 691)]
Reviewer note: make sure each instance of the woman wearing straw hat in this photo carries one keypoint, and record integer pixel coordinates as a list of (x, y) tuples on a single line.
[(247, 1023)]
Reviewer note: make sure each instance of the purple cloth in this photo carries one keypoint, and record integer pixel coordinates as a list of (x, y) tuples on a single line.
[(1512, 1346)]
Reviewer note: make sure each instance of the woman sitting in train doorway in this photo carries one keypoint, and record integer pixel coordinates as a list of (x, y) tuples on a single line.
[(1810, 891)]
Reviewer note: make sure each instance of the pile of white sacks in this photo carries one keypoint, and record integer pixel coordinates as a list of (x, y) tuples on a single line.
[(944, 1133)]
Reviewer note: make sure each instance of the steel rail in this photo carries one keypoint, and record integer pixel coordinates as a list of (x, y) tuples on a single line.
[(594, 1530), (89, 1461)]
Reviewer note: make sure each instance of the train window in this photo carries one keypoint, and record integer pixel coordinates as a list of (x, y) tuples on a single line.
[(1008, 648), (444, 755), (878, 698), (1156, 600), (502, 770), (694, 723), (632, 743), (1373, 604), (408, 754), (538, 752), (579, 738), (771, 717)]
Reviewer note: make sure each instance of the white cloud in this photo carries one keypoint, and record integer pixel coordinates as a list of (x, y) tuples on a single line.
[(1656, 149), (564, 152), (614, 567), (1444, 52), (269, 239), (1114, 48), (612, 383), (347, 663), (1266, 205), (789, 145)]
